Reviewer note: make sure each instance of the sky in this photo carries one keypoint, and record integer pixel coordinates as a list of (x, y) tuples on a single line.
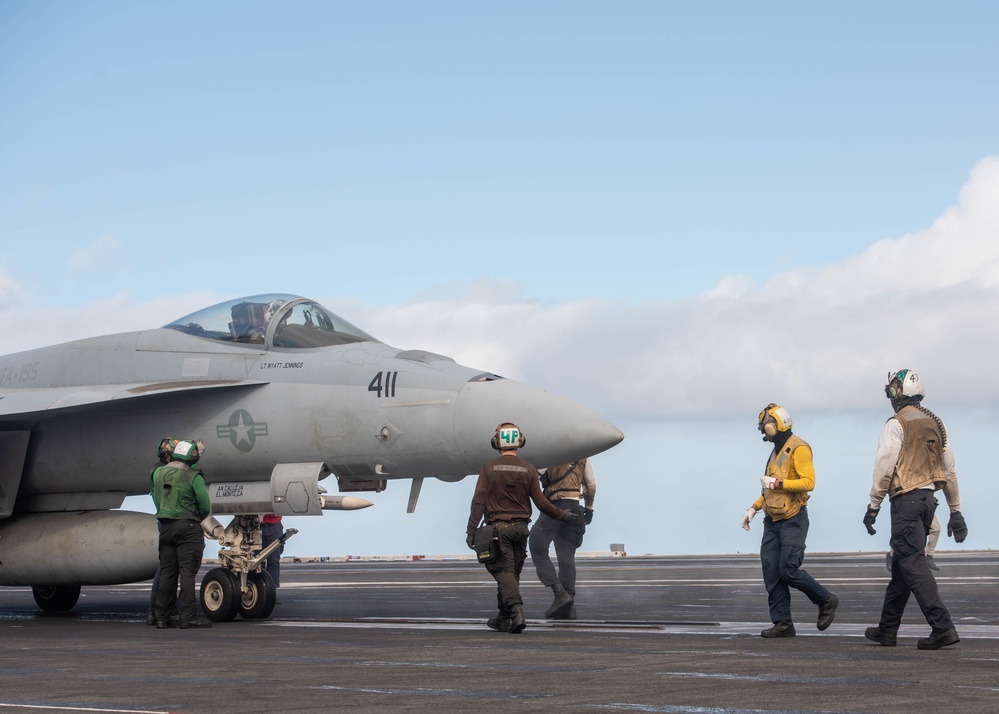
[(672, 213)]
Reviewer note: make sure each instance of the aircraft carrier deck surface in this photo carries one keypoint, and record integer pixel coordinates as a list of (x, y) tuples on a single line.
[(655, 634)]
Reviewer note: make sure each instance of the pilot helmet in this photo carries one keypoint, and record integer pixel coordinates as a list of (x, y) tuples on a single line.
[(773, 419), (272, 307), (186, 451)]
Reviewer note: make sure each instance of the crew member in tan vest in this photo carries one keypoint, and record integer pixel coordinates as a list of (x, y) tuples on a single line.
[(564, 486), (913, 460), (931, 546), (788, 478)]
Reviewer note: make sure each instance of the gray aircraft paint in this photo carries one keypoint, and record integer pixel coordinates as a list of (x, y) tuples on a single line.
[(79, 422)]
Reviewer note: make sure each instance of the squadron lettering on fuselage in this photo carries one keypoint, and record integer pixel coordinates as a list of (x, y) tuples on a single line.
[(229, 490), (19, 375)]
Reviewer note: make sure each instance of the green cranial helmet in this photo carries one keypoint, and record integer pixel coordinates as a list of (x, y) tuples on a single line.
[(186, 451), (165, 451)]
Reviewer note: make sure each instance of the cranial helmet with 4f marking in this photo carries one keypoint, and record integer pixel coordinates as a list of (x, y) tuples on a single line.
[(508, 436)]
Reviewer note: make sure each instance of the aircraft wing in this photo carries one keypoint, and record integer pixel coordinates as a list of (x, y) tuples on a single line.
[(23, 402)]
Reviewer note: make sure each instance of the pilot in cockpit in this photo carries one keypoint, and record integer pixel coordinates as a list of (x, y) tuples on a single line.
[(272, 307), (250, 320), (248, 323)]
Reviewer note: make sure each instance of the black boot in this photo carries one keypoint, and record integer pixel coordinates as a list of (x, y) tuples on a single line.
[(517, 621), (566, 613), (784, 628), (939, 639), (562, 600), (827, 612), (500, 623), (882, 637)]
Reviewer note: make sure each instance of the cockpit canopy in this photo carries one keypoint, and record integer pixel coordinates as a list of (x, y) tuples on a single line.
[(277, 320)]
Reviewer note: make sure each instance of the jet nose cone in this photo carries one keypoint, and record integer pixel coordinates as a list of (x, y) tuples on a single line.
[(557, 430)]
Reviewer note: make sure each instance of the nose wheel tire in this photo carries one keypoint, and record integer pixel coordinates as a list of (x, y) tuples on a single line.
[(258, 600), (220, 598)]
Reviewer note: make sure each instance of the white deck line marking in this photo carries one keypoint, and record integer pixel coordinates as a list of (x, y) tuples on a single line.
[(725, 629), (600, 583), (49, 707)]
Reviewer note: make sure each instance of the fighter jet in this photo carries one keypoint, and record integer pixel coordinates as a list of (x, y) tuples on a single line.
[(284, 393)]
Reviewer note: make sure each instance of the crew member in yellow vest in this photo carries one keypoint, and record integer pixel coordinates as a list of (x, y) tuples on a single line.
[(786, 483), (913, 460)]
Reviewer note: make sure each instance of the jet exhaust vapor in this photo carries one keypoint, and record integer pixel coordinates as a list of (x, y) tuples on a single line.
[(284, 393)]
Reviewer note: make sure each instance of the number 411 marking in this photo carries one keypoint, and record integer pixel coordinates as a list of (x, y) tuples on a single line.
[(388, 385)]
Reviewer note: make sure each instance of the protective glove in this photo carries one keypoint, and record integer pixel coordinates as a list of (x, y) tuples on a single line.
[(570, 517), (768, 482), (587, 516), (470, 540), (869, 518), (749, 515), (957, 527)]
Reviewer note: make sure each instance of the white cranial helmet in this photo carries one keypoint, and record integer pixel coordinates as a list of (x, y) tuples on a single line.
[(904, 384)]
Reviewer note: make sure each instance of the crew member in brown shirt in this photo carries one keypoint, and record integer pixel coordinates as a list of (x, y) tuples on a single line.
[(502, 498)]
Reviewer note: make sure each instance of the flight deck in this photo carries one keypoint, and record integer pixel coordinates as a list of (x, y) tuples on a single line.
[(654, 634)]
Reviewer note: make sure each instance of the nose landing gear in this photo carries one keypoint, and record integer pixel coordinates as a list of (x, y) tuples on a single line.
[(240, 586)]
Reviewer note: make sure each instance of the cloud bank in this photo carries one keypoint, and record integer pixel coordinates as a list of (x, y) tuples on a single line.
[(814, 337), (817, 338)]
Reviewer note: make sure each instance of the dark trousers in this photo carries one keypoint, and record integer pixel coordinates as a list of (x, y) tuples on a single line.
[(567, 538), (911, 517), (270, 532), (781, 553), (154, 591), (506, 569), (181, 547)]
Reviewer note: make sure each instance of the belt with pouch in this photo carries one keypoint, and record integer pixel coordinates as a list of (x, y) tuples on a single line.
[(500, 525)]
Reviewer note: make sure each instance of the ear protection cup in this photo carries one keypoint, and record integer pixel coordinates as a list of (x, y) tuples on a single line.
[(770, 429), (892, 391)]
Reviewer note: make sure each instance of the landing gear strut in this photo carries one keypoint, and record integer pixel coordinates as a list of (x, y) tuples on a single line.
[(240, 585)]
